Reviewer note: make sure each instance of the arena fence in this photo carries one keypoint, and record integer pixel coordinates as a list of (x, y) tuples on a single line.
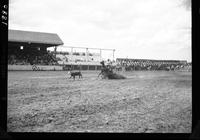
[(33, 67), (81, 67), (52, 67)]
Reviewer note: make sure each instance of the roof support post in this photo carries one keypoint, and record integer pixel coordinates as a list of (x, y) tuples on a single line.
[(55, 50)]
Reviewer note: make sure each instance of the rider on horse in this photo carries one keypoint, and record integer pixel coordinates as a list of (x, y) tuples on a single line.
[(107, 72)]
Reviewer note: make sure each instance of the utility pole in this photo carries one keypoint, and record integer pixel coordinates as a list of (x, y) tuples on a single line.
[(72, 53), (100, 55), (113, 54), (86, 54)]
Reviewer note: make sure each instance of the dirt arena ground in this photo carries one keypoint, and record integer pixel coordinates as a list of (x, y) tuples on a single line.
[(145, 102)]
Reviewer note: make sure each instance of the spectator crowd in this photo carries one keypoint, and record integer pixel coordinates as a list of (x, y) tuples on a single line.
[(38, 58), (153, 65)]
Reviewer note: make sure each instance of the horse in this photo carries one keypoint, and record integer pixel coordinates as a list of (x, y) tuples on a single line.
[(104, 72)]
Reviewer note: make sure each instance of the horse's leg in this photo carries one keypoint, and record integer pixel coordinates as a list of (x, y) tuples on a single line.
[(103, 75), (99, 74)]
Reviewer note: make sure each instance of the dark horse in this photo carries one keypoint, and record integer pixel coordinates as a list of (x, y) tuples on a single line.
[(107, 72), (104, 72)]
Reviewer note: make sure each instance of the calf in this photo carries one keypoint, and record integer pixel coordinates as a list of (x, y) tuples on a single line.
[(74, 74)]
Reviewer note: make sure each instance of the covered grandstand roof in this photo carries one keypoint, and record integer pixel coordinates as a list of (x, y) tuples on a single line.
[(34, 37)]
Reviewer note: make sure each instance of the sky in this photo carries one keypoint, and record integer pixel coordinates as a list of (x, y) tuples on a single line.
[(137, 29)]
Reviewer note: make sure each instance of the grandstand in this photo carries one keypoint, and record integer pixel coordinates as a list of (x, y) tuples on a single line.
[(25, 47), (28, 48)]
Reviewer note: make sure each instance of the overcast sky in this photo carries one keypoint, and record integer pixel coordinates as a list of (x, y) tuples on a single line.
[(140, 29)]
